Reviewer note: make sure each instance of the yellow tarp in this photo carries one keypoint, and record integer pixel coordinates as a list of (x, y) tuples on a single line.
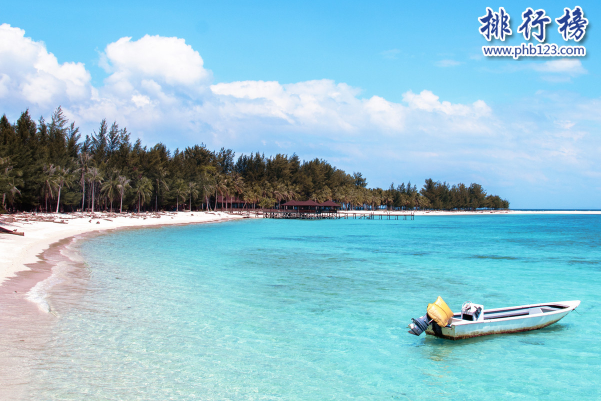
[(440, 312)]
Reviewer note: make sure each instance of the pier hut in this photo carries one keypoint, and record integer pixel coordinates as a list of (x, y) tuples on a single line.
[(301, 206), (329, 207), (229, 202), (305, 210)]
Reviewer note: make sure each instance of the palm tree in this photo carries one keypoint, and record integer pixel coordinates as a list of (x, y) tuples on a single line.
[(237, 185), (122, 186), (341, 194), (387, 196), (111, 188), (265, 191), (10, 187), (257, 192), (206, 186), (143, 190), (291, 192), (8, 181), (180, 190), (251, 194), (83, 162), (322, 195), (94, 177), (161, 184), (192, 191), (63, 179), (279, 192), (221, 187), (49, 182)]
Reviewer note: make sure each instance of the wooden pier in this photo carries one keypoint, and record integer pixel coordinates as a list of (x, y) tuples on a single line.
[(313, 215)]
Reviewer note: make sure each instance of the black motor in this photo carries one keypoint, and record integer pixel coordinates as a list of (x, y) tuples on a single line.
[(419, 325)]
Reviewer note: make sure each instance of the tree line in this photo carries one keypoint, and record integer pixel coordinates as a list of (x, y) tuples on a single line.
[(47, 166)]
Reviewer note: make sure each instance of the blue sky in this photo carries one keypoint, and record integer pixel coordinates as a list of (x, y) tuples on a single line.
[(397, 91)]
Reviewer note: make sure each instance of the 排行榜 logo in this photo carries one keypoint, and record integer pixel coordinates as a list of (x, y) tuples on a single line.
[(571, 25)]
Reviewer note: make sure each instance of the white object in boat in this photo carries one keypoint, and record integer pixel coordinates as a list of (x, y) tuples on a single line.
[(504, 320), (471, 311)]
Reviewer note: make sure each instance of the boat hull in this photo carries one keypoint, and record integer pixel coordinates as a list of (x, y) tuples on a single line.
[(461, 329)]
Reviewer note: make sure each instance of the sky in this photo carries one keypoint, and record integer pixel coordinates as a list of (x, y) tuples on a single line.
[(400, 92)]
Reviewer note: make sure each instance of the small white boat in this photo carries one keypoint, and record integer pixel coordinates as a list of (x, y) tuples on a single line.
[(481, 322)]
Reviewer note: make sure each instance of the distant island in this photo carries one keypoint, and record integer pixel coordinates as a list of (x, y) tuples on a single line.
[(47, 167)]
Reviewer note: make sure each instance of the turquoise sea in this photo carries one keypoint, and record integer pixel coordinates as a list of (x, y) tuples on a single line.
[(317, 310)]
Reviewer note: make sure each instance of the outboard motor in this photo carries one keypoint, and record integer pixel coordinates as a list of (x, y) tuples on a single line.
[(437, 312), (419, 325)]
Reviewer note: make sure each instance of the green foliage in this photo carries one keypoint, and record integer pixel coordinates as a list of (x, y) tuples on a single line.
[(48, 166), (143, 191), (442, 196)]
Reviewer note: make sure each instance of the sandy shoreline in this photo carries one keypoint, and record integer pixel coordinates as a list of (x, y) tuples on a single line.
[(43, 230)]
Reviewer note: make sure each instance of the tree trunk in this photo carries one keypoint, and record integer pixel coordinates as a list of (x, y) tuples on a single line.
[(83, 199), (138, 203), (93, 197), (58, 199), (121, 205)]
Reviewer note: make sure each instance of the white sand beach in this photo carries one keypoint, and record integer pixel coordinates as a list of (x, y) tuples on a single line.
[(43, 230)]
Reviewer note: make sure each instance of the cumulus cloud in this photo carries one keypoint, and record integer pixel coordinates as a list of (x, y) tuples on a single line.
[(156, 81), (30, 74), (324, 106), (169, 60)]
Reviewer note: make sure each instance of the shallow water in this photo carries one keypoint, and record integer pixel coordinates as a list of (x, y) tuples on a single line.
[(317, 310)]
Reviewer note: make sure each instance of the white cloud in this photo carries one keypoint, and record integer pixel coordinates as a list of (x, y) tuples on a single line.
[(28, 73), (563, 66), (155, 82), (428, 101), (329, 107), (565, 124), (391, 54), (448, 63), (168, 60)]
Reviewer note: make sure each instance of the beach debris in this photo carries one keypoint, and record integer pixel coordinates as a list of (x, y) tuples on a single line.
[(14, 232)]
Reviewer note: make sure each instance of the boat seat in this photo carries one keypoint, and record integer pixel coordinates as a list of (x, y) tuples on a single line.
[(535, 311)]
